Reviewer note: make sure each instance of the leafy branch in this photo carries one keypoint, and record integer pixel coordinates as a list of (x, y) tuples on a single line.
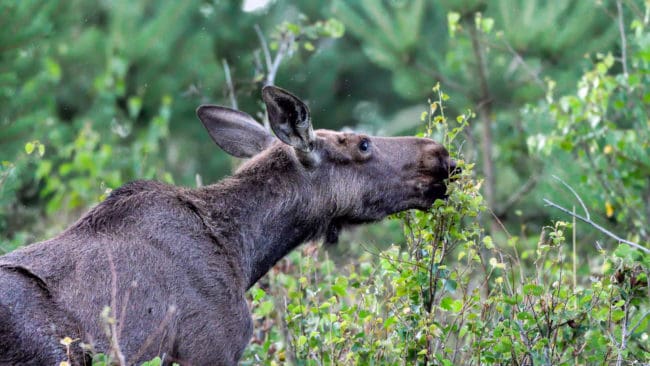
[(587, 218)]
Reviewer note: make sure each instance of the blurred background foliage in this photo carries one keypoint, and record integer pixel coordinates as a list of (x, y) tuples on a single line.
[(109, 89), (95, 94)]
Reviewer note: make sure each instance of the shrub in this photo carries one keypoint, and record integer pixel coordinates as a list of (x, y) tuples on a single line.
[(450, 295)]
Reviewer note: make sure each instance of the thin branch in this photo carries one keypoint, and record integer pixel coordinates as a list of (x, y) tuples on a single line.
[(229, 83), (283, 50), (624, 335), (575, 194), (158, 333), (596, 226), (621, 29), (273, 64), (265, 46), (392, 261)]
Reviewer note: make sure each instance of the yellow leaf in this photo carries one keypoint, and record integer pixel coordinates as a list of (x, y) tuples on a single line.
[(608, 149), (66, 341), (609, 209), (64, 363), (496, 264)]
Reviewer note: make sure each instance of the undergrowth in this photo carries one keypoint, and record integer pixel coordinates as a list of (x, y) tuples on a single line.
[(452, 295)]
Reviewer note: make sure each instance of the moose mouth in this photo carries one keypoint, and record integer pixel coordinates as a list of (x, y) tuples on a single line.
[(436, 191)]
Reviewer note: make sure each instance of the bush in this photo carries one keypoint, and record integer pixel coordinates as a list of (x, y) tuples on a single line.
[(451, 295)]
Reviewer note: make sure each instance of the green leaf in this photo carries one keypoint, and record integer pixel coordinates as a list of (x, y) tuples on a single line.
[(154, 362), (334, 28), (134, 106), (487, 24), (532, 289), (524, 315), (302, 340), (487, 241), (452, 22), (446, 303), (29, 147), (390, 321), (53, 69), (257, 293), (265, 308)]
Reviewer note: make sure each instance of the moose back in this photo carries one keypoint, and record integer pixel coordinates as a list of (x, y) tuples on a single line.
[(173, 263)]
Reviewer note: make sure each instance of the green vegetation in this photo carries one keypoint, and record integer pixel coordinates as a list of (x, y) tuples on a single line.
[(547, 105)]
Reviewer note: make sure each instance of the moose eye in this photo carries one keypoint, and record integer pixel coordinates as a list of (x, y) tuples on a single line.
[(364, 145)]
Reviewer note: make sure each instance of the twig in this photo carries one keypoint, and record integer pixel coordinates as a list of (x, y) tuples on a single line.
[(284, 48), (229, 83), (575, 194), (598, 227), (265, 46), (171, 311), (624, 334), (621, 29), (273, 64), (391, 260)]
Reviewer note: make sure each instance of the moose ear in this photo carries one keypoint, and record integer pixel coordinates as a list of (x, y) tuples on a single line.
[(289, 118), (235, 132)]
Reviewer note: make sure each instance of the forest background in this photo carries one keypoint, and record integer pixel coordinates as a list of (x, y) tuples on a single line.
[(546, 103)]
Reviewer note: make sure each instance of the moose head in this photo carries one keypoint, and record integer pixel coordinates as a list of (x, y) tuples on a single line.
[(341, 178)]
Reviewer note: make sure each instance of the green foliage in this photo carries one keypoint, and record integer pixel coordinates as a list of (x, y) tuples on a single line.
[(605, 126), (451, 295), (96, 94), (91, 94)]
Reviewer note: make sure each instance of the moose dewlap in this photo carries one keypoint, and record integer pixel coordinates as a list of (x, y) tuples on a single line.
[(174, 263)]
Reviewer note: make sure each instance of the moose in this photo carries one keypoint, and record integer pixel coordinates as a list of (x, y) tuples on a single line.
[(174, 264)]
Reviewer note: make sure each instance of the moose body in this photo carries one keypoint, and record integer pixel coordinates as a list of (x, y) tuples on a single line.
[(174, 263)]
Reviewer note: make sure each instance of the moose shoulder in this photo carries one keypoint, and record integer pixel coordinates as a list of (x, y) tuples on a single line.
[(174, 263)]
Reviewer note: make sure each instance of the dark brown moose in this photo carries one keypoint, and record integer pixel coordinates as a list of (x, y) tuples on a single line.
[(174, 263)]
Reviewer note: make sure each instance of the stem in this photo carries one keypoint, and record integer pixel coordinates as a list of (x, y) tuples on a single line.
[(284, 48), (265, 46), (575, 257), (624, 335), (621, 29), (231, 88), (598, 227)]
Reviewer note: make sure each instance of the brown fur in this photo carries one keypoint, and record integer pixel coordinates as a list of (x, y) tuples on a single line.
[(174, 263)]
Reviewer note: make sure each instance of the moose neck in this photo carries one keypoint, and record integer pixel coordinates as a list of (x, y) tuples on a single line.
[(265, 216)]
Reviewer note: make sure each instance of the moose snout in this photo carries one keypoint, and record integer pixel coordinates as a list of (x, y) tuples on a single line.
[(437, 161), (446, 168)]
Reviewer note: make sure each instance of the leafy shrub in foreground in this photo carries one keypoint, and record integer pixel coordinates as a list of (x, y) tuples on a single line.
[(451, 295)]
